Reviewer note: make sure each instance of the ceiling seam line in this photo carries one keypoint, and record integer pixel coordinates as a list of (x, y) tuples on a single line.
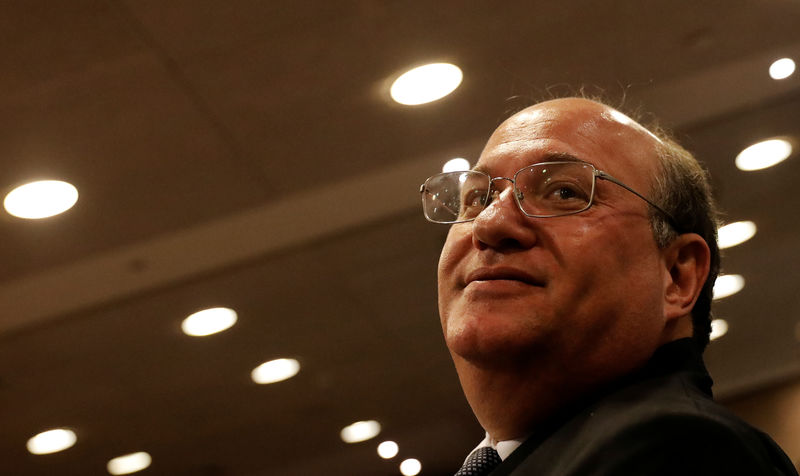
[(176, 73)]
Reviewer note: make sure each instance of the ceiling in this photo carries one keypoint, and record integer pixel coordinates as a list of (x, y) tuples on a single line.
[(246, 154)]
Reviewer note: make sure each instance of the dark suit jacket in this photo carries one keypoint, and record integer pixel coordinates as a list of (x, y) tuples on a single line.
[(659, 421)]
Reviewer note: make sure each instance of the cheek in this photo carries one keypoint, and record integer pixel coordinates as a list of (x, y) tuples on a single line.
[(453, 252), (608, 265), (622, 272), (607, 302)]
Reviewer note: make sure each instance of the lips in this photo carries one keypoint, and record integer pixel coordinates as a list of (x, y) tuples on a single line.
[(502, 273)]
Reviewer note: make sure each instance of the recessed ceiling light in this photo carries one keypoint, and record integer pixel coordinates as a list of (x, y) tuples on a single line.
[(727, 284), (41, 199), (781, 69), (130, 463), (274, 371), (388, 449), (719, 327), (52, 441), (426, 83), (410, 467), (456, 165), (360, 431), (735, 233), (209, 321), (763, 154)]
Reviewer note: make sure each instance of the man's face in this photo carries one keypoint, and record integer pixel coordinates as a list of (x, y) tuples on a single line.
[(582, 292)]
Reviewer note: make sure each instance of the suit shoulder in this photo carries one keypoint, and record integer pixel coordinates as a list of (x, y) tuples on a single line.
[(685, 443), (660, 429)]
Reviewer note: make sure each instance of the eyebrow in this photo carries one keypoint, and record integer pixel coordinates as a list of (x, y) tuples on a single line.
[(548, 157)]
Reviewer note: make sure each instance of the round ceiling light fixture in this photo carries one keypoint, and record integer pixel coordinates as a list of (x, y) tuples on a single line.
[(275, 371), (410, 467), (426, 83), (735, 233), (52, 441), (41, 199), (727, 285), (360, 431), (209, 321), (456, 165), (781, 69), (719, 327), (129, 463), (764, 154), (388, 449)]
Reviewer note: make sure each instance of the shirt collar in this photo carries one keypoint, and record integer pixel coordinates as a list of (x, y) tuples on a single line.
[(503, 448)]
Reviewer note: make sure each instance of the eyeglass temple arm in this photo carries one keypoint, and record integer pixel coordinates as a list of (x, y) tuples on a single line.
[(672, 221)]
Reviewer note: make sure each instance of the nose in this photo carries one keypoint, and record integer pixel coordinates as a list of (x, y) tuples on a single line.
[(502, 225)]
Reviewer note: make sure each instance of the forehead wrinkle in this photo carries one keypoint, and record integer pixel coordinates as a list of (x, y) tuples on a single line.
[(540, 140), (545, 157)]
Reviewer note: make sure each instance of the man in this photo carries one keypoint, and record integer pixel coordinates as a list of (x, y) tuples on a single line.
[(574, 293)]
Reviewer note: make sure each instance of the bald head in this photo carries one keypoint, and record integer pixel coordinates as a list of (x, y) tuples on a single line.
[(582, 124)]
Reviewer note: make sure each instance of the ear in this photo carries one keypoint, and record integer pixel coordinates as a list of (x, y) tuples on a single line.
[(686, 262)]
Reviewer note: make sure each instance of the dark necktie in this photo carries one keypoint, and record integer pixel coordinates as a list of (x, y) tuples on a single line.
[(480, 463)]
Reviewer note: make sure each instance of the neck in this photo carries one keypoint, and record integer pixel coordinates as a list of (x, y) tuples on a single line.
[(507, 405), (513, 397)]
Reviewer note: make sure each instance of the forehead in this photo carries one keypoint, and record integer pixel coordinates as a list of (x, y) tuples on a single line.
[(580, 128)]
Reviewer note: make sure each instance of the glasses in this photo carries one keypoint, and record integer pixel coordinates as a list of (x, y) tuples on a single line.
[(543, 190)]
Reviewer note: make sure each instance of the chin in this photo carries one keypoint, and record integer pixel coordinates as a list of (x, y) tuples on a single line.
[(490, 340)]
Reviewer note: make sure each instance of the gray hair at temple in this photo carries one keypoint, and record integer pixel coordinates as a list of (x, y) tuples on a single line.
[(683, 190)]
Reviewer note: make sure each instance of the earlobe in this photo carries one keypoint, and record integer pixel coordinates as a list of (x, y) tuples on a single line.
[(686, 262)]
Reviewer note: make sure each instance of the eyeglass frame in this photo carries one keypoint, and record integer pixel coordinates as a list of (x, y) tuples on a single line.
[(596, 173)]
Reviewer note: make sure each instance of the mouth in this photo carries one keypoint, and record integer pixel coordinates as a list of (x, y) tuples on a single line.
[(502, 274)]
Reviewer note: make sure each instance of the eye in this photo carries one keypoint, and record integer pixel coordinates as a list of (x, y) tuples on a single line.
[(475, 198), (473, 201), (564, 191)]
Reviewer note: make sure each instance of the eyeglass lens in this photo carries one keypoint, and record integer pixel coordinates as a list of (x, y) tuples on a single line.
[(545, 189)]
